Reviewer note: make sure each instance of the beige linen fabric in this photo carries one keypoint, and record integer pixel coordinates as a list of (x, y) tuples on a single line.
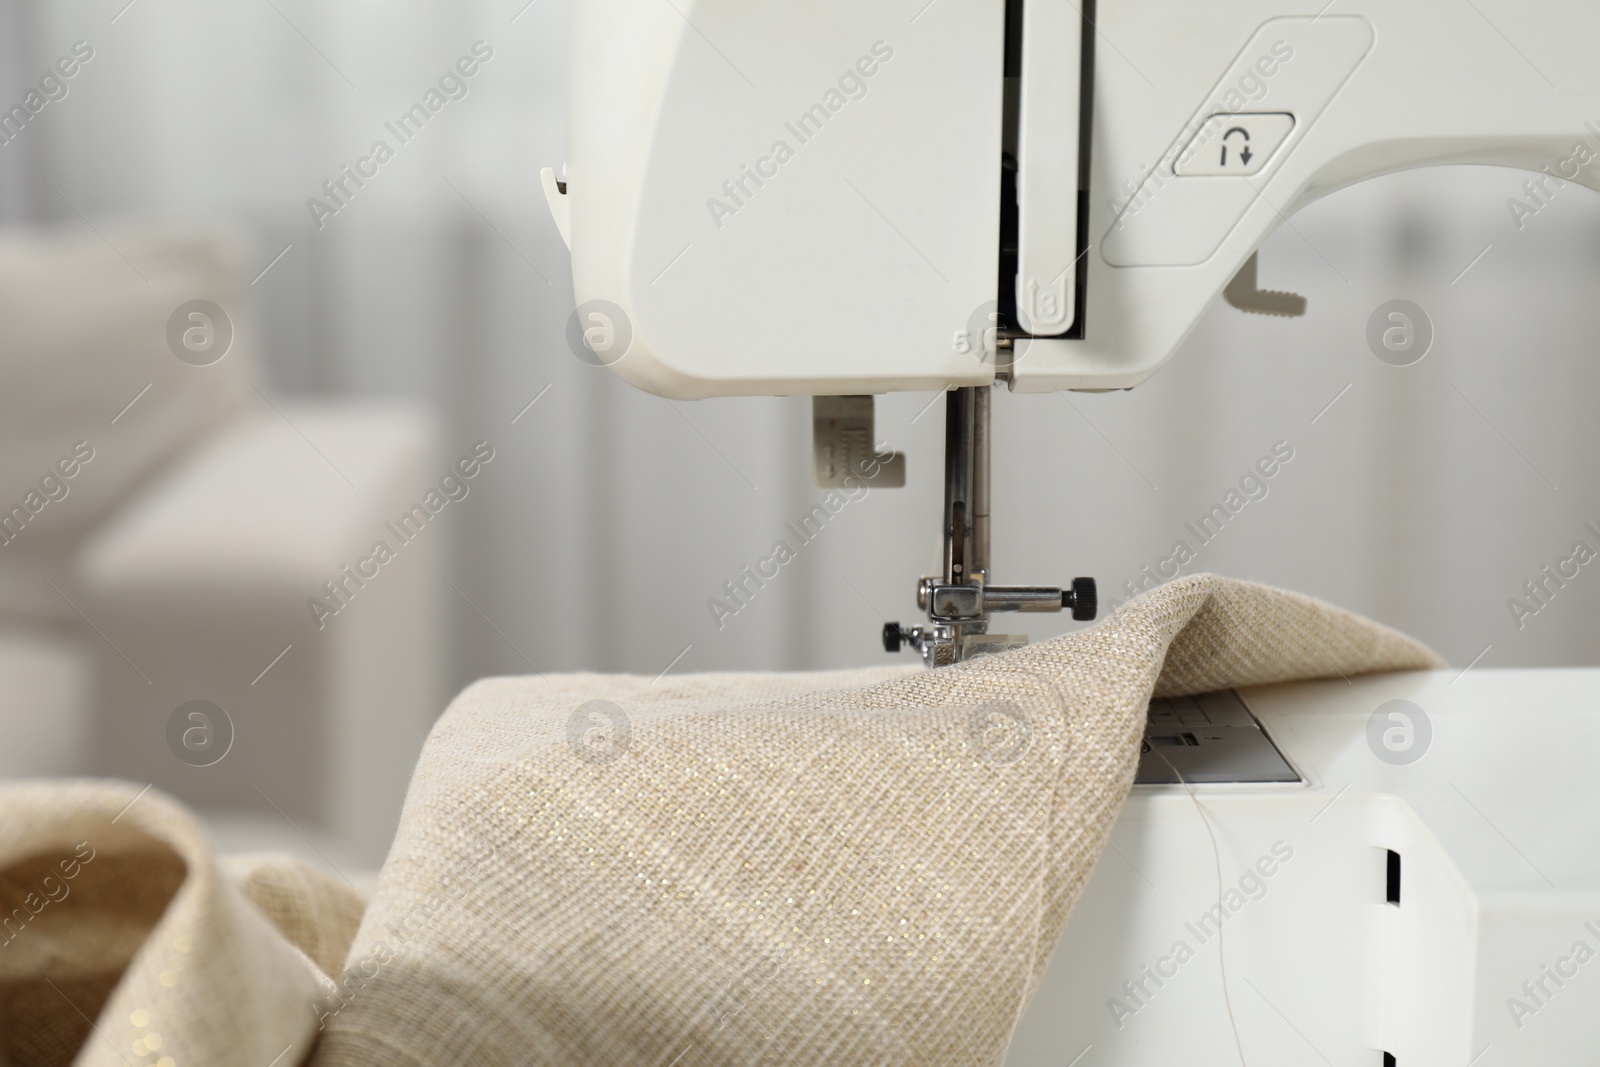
[(852, 868), (861, 867), (113, 909)]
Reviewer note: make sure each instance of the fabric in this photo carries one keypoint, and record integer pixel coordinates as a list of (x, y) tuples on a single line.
[(113, 909), (853, 868), (861, 867)]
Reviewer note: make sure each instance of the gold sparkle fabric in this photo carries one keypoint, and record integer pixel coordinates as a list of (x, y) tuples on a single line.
[(866, 867), (124, 941)]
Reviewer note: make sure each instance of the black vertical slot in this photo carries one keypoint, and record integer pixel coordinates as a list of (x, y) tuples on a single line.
[(1391, 895), (1010, 221), (1085, 143)]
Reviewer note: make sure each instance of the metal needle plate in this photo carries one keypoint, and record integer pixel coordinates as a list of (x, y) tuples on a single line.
[(1209, 739)]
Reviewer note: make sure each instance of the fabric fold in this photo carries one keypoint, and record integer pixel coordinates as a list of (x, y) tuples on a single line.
[(124, 941), (851, 867), (859, 867)]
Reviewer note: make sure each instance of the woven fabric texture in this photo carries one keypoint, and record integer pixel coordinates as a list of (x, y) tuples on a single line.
[(860, 867), (865, 867), (124, 941)]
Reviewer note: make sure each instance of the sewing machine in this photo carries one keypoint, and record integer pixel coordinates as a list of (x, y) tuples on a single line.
[(840, 199)]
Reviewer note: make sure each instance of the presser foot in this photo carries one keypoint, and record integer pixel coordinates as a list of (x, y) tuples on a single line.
[(960, 601), (941, 645), (958, 617)]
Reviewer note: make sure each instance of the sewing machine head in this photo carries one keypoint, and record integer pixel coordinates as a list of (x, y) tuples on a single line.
[(839, 199), (843, 199)]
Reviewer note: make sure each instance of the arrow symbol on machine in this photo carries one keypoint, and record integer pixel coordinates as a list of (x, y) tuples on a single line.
[(1244, 153)]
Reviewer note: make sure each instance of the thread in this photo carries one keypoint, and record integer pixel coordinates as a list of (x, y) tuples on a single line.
[(1216, 859)]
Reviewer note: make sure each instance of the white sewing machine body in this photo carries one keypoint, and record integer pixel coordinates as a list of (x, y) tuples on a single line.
[(1490, 958), (843, 198), (809, 199)]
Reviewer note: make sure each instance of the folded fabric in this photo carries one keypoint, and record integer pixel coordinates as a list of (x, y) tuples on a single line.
[(867, 867), (845, 868), (123, 940)]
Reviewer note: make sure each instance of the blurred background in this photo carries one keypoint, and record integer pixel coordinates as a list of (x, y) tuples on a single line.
[(347, 364)]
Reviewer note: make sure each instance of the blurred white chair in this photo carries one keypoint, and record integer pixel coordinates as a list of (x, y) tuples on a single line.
[(44, 705), (177, 560)]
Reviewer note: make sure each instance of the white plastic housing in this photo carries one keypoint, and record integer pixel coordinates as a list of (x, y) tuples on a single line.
[(1497, 882), (863, 256), (871, 238)]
